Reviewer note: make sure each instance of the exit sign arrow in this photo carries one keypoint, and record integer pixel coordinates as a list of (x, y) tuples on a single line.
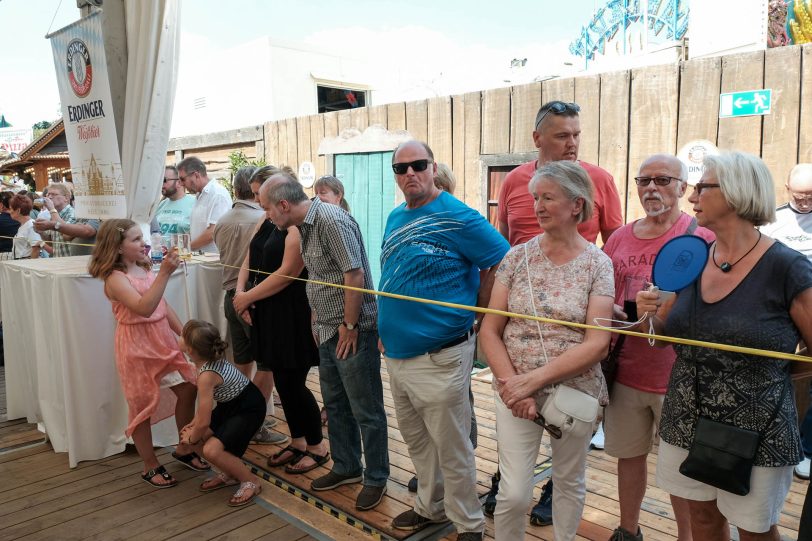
[(745, 103)]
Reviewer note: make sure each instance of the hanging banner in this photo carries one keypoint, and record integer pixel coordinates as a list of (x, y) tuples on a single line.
[(87, 110)]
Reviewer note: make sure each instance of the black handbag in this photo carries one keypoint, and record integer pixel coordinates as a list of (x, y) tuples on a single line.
[(721, 454)]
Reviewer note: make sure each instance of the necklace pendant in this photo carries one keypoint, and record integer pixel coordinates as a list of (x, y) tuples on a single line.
[(725, 267)]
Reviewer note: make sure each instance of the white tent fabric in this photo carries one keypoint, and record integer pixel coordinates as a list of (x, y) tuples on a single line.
[(153, 43)]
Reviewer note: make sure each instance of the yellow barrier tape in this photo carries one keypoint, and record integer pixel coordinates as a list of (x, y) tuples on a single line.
[(480, 310)]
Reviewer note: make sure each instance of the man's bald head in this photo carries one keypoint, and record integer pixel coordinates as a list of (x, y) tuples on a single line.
[(677, 168), (800, 178)]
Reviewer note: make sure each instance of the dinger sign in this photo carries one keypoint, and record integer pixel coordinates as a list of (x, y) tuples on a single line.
[(87, 111)]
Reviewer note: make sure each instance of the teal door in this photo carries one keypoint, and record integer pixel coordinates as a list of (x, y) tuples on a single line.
[(369, 184)]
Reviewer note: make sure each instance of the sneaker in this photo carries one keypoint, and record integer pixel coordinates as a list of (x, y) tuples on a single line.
[(266, 436), (542, 512), (802, 469), (369, 497), (490, 500), (598, 439), (412, 486), (469, 536), (622, 534), (411, 521), (333, 480), (270, 422)]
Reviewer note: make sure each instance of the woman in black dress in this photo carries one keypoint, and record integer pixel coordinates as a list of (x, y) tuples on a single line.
[(281, 333)]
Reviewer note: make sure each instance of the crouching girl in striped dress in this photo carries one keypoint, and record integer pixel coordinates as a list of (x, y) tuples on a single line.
[(222, 435)]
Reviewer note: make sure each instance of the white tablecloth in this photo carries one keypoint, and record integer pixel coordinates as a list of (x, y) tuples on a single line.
[(60, 364)]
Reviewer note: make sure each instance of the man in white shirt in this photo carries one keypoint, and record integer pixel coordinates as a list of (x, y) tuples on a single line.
[(212, 202)]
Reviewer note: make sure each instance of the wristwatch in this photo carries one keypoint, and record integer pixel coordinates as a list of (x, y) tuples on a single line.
[(350, 326), (57, 225)]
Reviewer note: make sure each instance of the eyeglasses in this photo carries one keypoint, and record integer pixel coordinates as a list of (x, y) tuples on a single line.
[(699, 186), (170, 179), (554, 431), (417, 166), (557, 108), (183, 179), (659, 181)]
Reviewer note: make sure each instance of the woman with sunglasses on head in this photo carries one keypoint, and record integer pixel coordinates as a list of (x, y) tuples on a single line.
[(753, 292), (558, 275)]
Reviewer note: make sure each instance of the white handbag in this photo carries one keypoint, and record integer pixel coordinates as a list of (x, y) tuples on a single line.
[(564, 404)]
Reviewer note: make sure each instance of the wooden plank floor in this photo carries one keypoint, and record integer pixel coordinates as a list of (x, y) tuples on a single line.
[(41, 498)]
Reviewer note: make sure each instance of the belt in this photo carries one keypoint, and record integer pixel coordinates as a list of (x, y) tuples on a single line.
[(455, 342)]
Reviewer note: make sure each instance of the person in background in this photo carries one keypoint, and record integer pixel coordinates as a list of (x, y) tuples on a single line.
[(27, 242), (8, 227), (213, 200), (174, 212), (330, 190), (444, 179), (70, 235)]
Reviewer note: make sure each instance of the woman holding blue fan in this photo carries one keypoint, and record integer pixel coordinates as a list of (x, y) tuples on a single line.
[(753, 292)]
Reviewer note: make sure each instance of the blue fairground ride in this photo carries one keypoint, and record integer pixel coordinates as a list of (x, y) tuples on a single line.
[(664, 20)]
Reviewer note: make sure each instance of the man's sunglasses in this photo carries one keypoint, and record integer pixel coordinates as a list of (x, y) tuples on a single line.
[(554, 431), (557, 108), (170, 179), (659, 181), (417, 166)]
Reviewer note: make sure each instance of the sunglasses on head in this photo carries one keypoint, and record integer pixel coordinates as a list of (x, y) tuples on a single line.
[(417, 166), (557, 108)]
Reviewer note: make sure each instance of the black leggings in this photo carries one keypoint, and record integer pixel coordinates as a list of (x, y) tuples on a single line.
[(301, 409)]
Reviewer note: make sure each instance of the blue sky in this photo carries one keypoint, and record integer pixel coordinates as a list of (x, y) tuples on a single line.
[(28, 90)]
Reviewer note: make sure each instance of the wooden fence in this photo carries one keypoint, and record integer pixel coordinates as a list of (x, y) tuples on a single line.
[(625, 116)]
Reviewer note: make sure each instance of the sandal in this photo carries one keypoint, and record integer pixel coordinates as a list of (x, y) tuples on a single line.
[(237, 499), (317, 461), (160, 470), (276, 460), (218, 481), (188, 461)]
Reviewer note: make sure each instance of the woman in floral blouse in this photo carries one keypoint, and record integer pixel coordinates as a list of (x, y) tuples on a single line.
[(569, 279)]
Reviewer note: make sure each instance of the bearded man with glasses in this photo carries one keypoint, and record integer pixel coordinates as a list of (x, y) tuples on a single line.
[(641, 378)]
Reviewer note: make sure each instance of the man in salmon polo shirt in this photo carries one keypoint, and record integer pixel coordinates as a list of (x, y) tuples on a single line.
[(557, 135), (636, 397)]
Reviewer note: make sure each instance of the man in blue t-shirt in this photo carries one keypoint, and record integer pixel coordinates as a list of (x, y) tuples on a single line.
[(438, 248)]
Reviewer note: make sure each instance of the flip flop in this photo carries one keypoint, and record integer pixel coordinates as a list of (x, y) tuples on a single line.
[(317, 461), (160, 470), (295, 455), (187, 460), (217, 482), (236, 501)]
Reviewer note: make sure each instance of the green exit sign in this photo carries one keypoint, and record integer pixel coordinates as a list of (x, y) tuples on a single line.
[(746, 103)]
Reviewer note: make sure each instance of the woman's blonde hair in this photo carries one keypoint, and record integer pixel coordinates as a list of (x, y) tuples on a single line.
[(204, 339), (333, 184), (106, 256), (444, 179)]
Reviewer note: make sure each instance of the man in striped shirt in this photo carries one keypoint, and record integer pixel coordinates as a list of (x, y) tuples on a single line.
[(347, 334)]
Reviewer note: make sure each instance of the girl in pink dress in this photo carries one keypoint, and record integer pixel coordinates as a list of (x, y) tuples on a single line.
[(147, 354)]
